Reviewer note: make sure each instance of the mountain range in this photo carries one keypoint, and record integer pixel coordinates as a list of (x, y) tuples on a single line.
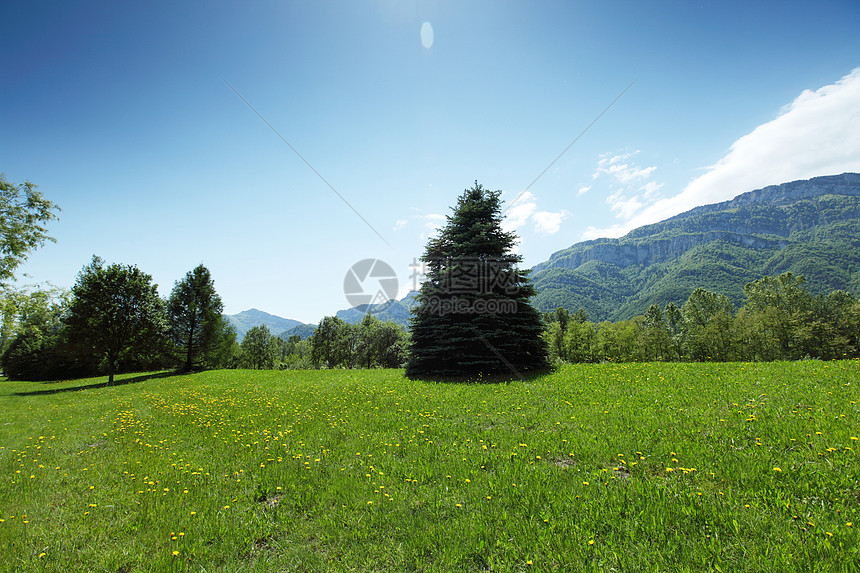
[(393, 310), (809, 228)]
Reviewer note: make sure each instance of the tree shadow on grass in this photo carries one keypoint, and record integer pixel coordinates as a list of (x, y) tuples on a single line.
[(116, 382), (496, 378)]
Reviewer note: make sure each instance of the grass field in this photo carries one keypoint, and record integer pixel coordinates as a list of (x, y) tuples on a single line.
[(669, 467)]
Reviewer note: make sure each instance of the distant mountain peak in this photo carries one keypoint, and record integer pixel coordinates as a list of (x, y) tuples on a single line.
[(248, 319)]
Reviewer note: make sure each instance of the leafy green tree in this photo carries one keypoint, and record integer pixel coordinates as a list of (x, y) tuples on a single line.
[(780, 306), (554, 337), (258, 349), (24, 211), (579, 341), (367, 347), (826, 331), (333, 344), (293, 353), (224, 351), (675, 326), (656, 337), (473, 314), (380, 343), (194, 313), (708, 321), (617, 342), (392, 345), (116, 315), (23, 308), (24, 357), (37, 347)]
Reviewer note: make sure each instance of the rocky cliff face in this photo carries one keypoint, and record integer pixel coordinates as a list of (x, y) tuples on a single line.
[(654, 251), (761, 219)]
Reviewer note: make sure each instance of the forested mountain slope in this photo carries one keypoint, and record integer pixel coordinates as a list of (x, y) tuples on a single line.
[(809, 228)]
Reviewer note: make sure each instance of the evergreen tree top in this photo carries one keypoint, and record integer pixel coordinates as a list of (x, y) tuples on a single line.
[(474, 229)]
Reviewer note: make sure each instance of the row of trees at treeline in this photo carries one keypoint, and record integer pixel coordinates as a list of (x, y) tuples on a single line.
[(473, 316), (335, 343), (779, 320), (114, 320)]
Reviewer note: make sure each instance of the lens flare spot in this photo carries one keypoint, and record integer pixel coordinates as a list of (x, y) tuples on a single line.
[(427, 35)]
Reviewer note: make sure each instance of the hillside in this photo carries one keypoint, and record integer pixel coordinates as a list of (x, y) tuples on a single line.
[(809, 228), (303, 331), (248, 319), (395, 310)]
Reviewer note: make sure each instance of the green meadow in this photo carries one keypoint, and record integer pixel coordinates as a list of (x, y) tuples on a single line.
[(609, 467)]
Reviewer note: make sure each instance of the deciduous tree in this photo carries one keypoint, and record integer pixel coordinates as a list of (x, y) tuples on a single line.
[(24, 211), (258, 349), (116, 314)]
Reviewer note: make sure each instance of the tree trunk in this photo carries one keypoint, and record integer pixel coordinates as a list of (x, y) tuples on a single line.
[(190, 354)]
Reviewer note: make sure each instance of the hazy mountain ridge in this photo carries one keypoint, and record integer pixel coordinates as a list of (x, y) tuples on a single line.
[(248, 319), (807, 227), (395, 310)]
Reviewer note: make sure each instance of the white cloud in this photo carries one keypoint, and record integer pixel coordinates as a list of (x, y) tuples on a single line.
[(650, 188), (624, 206), (630, 189), (519, 211), (433, 220), (547, 222), (621, 169), (603, 232), (523, 210), (583, 190), (427, 224), (816, 134)]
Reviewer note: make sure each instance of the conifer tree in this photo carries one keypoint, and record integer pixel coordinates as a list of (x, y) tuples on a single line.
[(473, 314), (194, 311)]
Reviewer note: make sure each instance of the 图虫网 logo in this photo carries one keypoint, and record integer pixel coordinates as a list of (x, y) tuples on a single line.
[(371, 285)]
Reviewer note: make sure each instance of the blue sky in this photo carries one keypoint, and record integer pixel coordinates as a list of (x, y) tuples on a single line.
[(122, 114)]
